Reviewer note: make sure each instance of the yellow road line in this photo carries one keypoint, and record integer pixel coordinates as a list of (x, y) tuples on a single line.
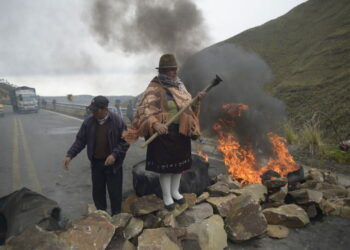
[(29, 161), (16, 176)]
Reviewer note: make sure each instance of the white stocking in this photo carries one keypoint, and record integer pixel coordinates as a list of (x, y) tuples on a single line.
[(165, 183), (175, 184)]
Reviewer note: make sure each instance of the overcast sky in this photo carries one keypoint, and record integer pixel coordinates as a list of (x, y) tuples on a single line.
[(76, 46)]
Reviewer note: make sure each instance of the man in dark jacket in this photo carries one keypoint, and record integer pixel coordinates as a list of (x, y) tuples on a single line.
[(101, 132)]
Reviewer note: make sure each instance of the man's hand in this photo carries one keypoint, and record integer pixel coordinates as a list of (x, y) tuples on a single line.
[(110, 160), (160, 128), (66, 162)]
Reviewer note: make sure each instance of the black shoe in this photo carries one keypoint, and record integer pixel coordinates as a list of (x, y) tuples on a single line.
[(180, 201), (170, 207)]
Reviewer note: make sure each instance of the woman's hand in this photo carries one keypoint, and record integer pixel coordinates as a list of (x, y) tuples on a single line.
[(201, 95), (160, 128)]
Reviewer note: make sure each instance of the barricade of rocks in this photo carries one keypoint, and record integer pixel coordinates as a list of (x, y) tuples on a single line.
[(227, 211)]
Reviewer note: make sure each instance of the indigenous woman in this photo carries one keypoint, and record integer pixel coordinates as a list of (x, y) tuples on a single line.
[(170, 153)]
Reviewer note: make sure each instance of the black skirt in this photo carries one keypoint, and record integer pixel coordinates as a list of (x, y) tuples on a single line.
[(170, 153)]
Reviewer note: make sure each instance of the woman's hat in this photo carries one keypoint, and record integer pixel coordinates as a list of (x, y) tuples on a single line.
[(167, 61)]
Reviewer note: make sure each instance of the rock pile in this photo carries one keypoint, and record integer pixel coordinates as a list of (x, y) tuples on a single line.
[(228, 211)]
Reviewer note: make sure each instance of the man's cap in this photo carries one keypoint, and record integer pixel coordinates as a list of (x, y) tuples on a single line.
[(98, 102), (167, 61)]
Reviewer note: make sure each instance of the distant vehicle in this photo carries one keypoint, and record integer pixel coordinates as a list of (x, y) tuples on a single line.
[(2, 110), (24, 99)]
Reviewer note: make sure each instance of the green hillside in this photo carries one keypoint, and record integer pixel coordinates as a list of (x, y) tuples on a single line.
[(308, 50), (5, 87)]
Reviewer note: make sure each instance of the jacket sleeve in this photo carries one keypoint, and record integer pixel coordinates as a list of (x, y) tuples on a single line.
[(79, 143), (121, 147)]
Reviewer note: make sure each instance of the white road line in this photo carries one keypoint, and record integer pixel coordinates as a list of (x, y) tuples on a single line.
[(66, 116)]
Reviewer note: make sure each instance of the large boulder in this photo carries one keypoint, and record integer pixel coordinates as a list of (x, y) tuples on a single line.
[(226, 178), (335, 193), (151, 221), (304, 196), (279, 196), (203, 197), (146, 204), (195, 214), (210, 233), (120, 243), (275, 183), (245, 219), (169, 221), (191, 199), (222, 205), (340, 207), (312, 210), (287, 215), (296, 176), (195, 180), (330, 207), (330, 178), (277, 231), (219, 189), (133, 229), (38, 239), (120, 221), (257, 191), (93, 231), (127, 203), (309, 184), (158, 238), (315, 174)]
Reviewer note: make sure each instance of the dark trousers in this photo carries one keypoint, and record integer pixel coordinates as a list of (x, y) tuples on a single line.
[(102, 177)]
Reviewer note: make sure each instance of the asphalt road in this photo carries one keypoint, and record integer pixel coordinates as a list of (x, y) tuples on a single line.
[(32, 148)]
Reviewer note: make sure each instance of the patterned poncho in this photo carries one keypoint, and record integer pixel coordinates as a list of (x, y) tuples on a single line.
[(153, 108)]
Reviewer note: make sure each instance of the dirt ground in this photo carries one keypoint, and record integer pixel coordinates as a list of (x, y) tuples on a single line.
[(304, 158)]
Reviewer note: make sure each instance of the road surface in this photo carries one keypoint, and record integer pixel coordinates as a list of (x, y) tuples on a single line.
[(32, 148)]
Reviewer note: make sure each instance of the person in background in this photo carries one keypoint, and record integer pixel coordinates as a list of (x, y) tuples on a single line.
[(117, 105), (101, 132), (130, 111), (170, 153), (54, 104)]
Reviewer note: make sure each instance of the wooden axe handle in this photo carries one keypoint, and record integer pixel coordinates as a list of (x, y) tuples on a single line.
[(215, 82)]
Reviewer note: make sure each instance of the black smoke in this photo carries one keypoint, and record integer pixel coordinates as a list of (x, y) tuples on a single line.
[(245, 75), (149, 26)]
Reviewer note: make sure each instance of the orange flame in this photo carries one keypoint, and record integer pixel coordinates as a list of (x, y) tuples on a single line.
[(240, 160), (204, 156)]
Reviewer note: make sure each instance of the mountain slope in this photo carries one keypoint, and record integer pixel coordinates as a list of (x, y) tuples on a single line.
[(308, 50)]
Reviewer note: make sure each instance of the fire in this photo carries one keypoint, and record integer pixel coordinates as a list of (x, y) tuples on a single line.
[(240, 159), (283, 163), (204, 156)]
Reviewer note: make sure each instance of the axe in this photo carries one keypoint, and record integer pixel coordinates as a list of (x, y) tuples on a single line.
[(215, 82)]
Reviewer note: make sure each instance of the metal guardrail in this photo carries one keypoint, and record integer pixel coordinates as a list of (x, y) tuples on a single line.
[(75, 106), (73, 109)]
